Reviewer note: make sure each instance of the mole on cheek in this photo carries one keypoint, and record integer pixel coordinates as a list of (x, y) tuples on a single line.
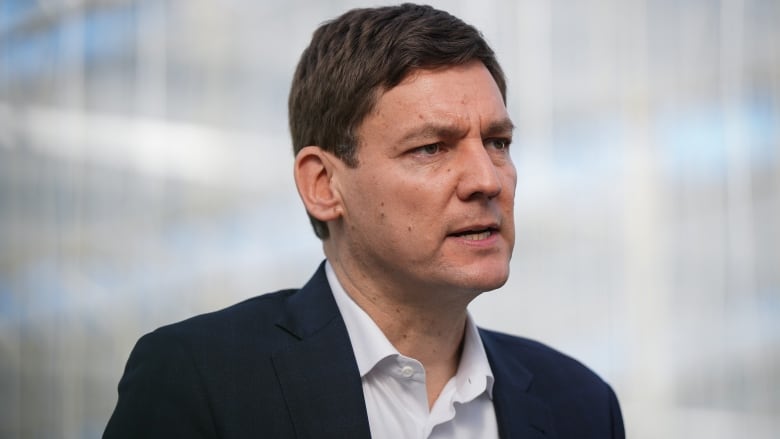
[(410, 228)]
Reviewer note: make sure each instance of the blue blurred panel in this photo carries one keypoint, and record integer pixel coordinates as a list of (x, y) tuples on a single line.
[(13, 12), (693, 139), (106, 31), (29, 56), (109, 32)]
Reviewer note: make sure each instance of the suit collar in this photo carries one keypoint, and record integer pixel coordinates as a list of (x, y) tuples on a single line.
[(322, 387), (519, 413), (311, 308), (318, 373)]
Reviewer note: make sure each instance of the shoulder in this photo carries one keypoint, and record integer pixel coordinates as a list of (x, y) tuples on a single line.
[(538, 358), (552, 372), (580, 401), (229, 326), (256, 309), (191, 378), (263, 319)]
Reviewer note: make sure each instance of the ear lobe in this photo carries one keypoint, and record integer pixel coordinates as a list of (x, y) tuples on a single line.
[(313, 177)]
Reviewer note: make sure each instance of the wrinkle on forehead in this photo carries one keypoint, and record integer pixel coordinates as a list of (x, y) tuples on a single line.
[(451, 126), (440, 103)]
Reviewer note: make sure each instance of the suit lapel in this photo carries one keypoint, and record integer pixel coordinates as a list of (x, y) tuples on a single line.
[(519, 414), (318, 374), (321, 384)]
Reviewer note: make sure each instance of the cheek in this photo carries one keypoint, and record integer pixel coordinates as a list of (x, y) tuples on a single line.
[(510, 174), (406, 202), (510, 186), (510, 183)]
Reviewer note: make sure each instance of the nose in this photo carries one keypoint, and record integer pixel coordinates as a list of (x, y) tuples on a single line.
[(479, 175)]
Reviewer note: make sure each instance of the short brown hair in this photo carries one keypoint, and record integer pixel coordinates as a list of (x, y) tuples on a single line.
[(357, 56)]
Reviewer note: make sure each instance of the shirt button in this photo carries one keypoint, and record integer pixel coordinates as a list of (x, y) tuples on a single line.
[(407, 371)]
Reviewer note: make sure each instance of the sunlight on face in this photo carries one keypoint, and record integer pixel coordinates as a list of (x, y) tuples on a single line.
[(430, 205)]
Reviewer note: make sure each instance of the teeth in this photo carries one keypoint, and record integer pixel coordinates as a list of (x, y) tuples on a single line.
[(477, 236)]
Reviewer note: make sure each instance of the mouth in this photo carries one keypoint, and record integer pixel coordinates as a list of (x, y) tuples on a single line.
[(476, 233)]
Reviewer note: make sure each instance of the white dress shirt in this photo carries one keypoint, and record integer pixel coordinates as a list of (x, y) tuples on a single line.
[(394, 385)]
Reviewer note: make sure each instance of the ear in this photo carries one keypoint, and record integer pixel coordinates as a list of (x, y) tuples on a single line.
[(314, 168)]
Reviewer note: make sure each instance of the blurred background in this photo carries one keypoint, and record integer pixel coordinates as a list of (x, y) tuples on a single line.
[(145, 176)]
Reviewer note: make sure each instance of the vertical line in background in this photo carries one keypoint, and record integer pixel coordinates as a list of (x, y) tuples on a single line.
[(534, 60), (11, 346), (774, 87), (604, 69), (71, 73), (151, 59), (645, 221), (739, 197), (741, 321)]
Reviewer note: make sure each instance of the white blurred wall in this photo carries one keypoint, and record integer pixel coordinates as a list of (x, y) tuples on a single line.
[(145, 176)]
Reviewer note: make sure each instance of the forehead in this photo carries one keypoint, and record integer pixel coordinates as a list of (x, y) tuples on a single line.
[(465, 95), (472, 76)]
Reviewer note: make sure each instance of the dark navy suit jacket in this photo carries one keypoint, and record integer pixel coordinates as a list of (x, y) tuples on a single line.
[(281, 365)]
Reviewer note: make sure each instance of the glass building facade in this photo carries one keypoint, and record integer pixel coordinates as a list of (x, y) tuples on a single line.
[(146, 176)]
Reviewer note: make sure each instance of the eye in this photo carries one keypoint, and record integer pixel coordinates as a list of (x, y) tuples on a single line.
[(431, 149), (499, 143)]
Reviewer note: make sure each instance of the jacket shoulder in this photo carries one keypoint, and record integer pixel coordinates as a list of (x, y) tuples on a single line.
[(256, 312), (206, 376), (581, 403), (540, 359)]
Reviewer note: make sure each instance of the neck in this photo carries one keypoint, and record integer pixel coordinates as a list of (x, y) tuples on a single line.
[(423, 325)]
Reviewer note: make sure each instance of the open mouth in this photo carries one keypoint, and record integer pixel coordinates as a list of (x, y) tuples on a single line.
[(475, 235)]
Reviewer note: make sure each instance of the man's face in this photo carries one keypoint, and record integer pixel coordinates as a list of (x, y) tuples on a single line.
[(430, 204)]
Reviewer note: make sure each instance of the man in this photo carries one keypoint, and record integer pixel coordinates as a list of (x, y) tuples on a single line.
[(401, 137)]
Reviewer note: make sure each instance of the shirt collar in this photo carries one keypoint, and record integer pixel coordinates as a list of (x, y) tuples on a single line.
[(371, 346), (368, 341), (474, 375)]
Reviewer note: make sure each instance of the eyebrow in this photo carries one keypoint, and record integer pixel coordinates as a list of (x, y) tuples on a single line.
[(431, 129), (498, 128), (448, 130)]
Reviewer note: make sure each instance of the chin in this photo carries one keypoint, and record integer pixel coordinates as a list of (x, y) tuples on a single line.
[(494, 285), (486, 279)]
